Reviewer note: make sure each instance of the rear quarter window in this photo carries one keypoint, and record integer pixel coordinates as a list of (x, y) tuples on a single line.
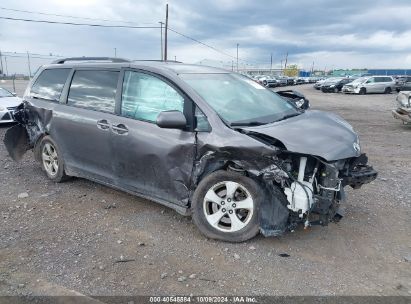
[(94, 90), (49, 84)]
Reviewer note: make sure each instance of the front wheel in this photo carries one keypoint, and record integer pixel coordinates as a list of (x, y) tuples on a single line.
[(225, 206), (363, 91)]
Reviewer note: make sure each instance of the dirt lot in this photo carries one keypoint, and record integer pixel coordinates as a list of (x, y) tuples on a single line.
[(81, 237)]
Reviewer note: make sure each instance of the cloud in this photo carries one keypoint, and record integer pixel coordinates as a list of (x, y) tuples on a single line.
[(368, 33)]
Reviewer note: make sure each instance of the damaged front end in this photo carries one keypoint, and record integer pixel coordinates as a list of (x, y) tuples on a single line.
[(403, 107), (313, 187)]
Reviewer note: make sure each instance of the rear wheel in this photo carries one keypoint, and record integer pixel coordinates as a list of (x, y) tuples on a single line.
[(387, 90), (226, 205), (51, 160), (363, 91)]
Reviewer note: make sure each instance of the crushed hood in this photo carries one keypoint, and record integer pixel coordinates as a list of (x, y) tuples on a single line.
[(315, 133)]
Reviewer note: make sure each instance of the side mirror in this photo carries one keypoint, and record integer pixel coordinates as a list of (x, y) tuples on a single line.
[(171, 120), (14, 94)]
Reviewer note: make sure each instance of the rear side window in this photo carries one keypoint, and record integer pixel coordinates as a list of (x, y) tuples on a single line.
[(95, 90), (49, 84), (145, 96)]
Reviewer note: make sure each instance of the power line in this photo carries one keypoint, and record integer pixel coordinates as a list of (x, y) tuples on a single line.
[(200, 42), (25, 56), (109, 26), (8, 53), (79, 24), (69, 16)]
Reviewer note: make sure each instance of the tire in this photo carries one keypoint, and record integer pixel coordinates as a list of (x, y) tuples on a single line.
[(363, 91), (387, 90), (210, 198), (336, 90), (51, 160), (265, 83)]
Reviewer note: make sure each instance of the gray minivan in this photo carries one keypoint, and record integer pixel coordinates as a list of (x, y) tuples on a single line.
[(206, 142), (370, 84)]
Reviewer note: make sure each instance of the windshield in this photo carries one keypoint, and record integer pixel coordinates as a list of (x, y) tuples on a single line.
[(359, 80), (239, 100), (5, 93)]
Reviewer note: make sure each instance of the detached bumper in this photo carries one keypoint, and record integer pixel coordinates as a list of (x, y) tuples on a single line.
[(363, 174), (402, 114), (359, 173)]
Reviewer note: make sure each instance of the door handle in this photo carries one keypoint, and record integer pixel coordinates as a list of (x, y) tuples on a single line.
[(120, 129), (103, 124)]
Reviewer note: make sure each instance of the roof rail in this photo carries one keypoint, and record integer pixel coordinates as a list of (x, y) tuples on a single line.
[(111, 59)]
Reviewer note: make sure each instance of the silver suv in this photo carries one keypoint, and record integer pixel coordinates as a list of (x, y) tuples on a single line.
[(370, 84)]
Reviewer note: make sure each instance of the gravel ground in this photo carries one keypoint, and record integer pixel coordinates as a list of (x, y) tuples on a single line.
[(81, 237)]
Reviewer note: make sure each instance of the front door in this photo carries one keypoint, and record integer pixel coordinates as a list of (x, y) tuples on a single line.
[(150, 160)]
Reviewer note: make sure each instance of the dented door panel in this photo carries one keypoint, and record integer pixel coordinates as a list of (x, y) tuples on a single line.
[(153, 161)]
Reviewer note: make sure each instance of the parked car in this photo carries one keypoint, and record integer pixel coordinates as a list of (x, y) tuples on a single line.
[(290, 81), (8, 103), (403, 84), (403, 109), (370, 84), (282, 81), (319, 83), (204, 141), (335, 85), (268, 81), (299, 80)]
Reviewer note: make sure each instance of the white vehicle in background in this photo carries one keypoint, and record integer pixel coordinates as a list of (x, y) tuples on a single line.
[(370, 84), (8, 103)]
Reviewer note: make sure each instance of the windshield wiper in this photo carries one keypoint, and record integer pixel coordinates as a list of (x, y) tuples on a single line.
[(248, 123), (288, 116)]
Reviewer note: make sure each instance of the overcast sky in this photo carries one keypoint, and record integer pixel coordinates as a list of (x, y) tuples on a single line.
[(333, 34)]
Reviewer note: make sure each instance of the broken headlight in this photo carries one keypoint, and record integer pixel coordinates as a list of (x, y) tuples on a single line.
[(299, 103)]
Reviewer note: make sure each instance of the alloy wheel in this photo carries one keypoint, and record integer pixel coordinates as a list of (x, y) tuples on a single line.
[(228, 206), (50, 159)]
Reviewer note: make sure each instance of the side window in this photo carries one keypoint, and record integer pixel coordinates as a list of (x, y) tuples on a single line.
[(95, 90), (145, 96), (49, 84), (201, 122), (371, 80)]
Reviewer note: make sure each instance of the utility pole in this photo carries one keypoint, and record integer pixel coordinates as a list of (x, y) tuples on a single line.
[(7, 70), (286, 59), (28, 62), (237, 57), (165, 35), (1, 64), (161, 39), (232, 65), (312, 69), (271, 63), (281, 67), (115, 52)]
